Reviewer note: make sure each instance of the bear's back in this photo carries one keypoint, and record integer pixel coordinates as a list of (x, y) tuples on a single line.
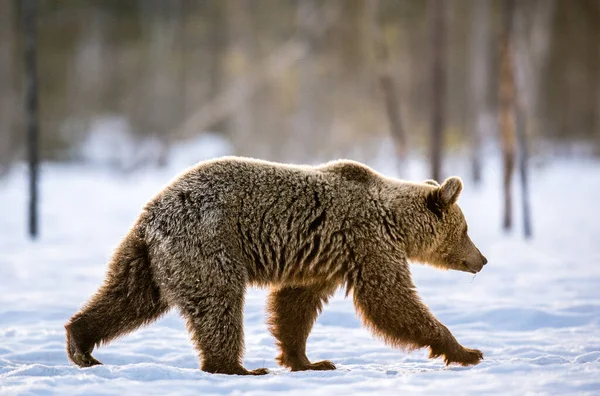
[(246, 176)]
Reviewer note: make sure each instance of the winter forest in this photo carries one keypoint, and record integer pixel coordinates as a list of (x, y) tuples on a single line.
[(102, 103)]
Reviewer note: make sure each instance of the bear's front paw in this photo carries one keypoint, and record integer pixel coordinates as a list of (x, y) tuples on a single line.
[(84, 360), (464, 357)]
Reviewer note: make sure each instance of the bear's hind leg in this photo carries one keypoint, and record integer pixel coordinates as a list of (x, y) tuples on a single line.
[(293, 311), (214, 316), (128, 299)]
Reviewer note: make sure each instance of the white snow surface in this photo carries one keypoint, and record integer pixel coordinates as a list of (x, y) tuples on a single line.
[(534, 310)]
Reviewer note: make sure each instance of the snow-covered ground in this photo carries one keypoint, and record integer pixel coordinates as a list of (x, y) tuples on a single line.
[(534, 310)]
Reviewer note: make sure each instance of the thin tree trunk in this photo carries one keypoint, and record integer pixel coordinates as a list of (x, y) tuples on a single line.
[(239, 61), (164, 100), (530, 54), (31, 109), (89, 71), (217, 41), (524, 169), (478, 79), (304, 121), (597, 76), (507, 99), (437, 11), (182, 92), (7, 110), (386, 81)]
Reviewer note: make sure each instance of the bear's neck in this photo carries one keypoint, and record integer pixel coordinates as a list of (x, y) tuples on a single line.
[(413, 229)]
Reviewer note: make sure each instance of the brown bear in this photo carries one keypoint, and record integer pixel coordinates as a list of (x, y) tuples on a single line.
[(304, 231)]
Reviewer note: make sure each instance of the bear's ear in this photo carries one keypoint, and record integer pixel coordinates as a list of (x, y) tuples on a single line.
[(445, 195), (449, 191), (432, 182)]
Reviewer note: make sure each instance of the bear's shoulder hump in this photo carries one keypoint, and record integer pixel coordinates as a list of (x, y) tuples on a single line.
[(350, 170)]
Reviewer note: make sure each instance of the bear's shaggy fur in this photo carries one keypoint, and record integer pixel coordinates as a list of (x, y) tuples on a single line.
[(304, 231)]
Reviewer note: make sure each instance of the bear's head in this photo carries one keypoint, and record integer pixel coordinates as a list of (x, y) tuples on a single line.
[(449, 245)]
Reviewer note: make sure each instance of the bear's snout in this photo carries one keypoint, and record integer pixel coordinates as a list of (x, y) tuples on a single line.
[(474, 264), (478, 266)]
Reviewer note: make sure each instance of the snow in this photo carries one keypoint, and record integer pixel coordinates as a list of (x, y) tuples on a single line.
[(534, 310)]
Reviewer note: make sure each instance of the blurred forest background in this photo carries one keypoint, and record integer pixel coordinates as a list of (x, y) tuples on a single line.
[(304, 80), (296, 80)]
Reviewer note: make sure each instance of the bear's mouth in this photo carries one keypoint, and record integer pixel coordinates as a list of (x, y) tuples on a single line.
[(468, 268)]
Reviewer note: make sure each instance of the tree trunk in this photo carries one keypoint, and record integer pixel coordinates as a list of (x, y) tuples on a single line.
[(90, 68), (386, 80), (507, 101), (304, 121), (7, 92), (478, 81), (437, 11), (524, 169), (164, 102), (216, 79), (597, 75), (31, 108), (530, 54), (239, 61)]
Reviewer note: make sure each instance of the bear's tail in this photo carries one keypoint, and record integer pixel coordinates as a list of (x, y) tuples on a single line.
[(128, 299)]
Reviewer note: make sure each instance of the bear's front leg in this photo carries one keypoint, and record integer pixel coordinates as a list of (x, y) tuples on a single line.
[(385, 297), (453, 352)]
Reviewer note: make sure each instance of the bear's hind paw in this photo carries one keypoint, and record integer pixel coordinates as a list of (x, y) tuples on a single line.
[(258, 371), (323, 365)]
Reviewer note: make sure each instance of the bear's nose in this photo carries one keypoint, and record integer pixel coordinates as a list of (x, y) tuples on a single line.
[(484, 260)]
